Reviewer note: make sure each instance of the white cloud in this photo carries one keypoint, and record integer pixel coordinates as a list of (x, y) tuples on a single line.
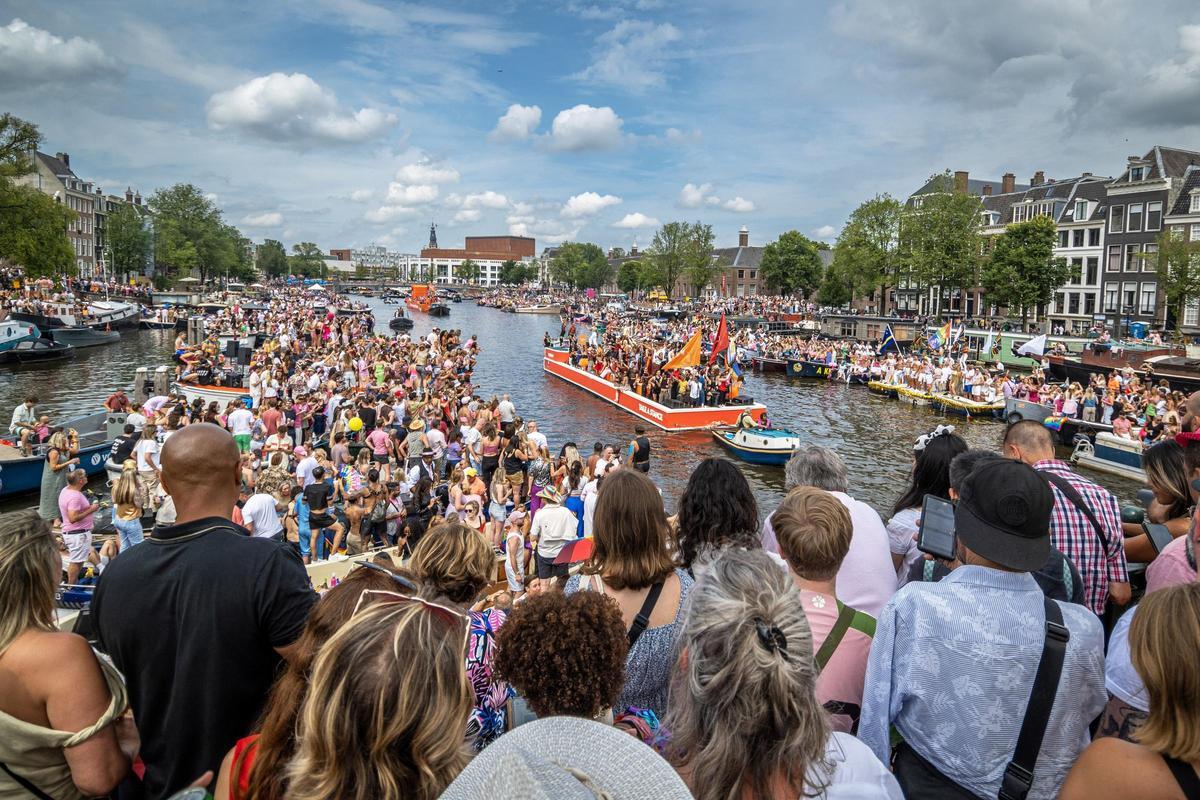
[(550, 231), (426, 172), (362, 195), (739, 203), (388, 213), (488, 199), (212, 197), (585, 127), (31, 57), (468, 215), (825, 232), (403, 194), (588, 204), (267, 219), (293, 108), (633, 56), (518, 122), (692, 196), (636, 220)]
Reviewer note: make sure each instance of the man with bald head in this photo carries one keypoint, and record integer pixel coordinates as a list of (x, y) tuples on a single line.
[(200, 617)]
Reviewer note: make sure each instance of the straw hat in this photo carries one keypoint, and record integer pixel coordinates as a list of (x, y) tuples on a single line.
[(589, 760), (416, 425)]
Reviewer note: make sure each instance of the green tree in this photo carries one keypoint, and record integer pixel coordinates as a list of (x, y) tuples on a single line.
[(18, 142), (629, 276), (1178, 265), (189, 233), (669, 253), (307, 260), (33, 232), (837, 287), (128, 241), (649, 275), (700, 266), (792, 264), (468, 271), (580, 265), (272, 258), (940, 239), (509, 273), (1023, 271), (867, 248)]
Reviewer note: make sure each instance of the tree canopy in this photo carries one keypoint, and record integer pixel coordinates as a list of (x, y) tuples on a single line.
[(680, 250), (1023, 271), (33, 227), (792, 263), (865, 256), (581, 265), (467, 271), (1178, 266), (307, 260), (128, 241), (940, 238), (272, 258)]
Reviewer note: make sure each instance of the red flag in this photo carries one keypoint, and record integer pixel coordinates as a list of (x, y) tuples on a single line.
[(722, 341)]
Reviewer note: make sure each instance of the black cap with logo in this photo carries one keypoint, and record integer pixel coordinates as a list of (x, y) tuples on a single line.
[(1003, 514)]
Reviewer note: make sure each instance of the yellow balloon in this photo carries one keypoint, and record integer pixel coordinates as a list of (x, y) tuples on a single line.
[(355, 424)]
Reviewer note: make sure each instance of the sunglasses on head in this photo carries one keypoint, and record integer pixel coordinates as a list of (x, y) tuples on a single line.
[(450, 616), (400, 579)]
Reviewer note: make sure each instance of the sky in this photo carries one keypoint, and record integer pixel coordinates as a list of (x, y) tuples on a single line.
[(351, 122)]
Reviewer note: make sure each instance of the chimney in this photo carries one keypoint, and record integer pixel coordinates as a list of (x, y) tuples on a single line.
[(128, 195), (137, 199), (960, 181), (1038, 178), (633, 249), (987, 190), (1008, 184), (744, 237)]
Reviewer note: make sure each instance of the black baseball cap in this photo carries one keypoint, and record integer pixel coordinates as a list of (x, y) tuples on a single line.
[(1003, 514)]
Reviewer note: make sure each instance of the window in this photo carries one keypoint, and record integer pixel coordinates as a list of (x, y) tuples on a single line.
[(1081, 210), (1110, 299), (741, 274), (1134, 223), (1062, 238), (1077, 238), (1191, 311), (1114, 258), (1149, 290), (1093, 237), (1089, 303), (1150, 257), (1137, 174), (1116, 220), (1059, 302), (1195, 207), (1076, 271), (1128, 297), (1131, 259), (1177, 232), (873, 331), (1093, 269), (849, 328), (1195, 233), (753, 273), (1154, 215), (1073, 303)]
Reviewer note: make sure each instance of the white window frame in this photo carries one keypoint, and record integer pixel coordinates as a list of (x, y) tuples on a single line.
[(1152, 289), (1081, 210), (1195, 202), (1148, 264), (1141, 217), (1136, 174), (1191, 312), (1195, 232), (1115, 213), (1129, 257), (1112, 292), (1155, 207)]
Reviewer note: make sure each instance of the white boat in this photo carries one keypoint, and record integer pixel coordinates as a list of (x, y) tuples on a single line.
[(113, 314), (1110, 454), (13, 332), (542, 309), (221, 394)]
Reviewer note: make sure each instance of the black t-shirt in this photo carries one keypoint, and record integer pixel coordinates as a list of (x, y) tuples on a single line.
[(317, 496), (192, 622), (367, 415), (123, 447)]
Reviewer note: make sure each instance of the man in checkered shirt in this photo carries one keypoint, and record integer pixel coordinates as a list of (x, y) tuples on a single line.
[(1104, 574)]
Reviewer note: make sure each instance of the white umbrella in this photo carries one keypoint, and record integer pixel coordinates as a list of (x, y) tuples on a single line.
[(188, 280)]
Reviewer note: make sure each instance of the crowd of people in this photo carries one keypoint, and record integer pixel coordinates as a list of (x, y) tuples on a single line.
[(528, 618)]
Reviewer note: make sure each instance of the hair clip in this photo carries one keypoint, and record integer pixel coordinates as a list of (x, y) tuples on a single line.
[(923, 441), (771, 637)]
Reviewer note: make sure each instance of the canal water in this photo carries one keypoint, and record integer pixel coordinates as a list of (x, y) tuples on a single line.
[(874, 435)]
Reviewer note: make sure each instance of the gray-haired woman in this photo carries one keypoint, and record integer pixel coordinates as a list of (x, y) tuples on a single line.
[(743, 714)]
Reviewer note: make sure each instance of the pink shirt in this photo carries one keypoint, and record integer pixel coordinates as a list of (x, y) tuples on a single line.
[(1171, 567), (74, 500), (841, 681), (378, 440)]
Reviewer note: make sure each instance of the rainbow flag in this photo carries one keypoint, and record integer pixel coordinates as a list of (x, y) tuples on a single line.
[(940, 336)]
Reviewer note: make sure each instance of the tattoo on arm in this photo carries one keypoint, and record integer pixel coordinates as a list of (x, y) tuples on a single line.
[(1120, 720)]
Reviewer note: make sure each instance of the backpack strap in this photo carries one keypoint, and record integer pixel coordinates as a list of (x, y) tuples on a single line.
[(1072, 494), (836, 634), (642, 620), (25, 784), (1068, 581), (1018, 775)]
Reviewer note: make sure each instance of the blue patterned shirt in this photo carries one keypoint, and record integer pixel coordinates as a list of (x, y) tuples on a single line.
[(952, 665)]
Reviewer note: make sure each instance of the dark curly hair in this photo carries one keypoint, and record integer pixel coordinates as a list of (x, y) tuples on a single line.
[(565, 654), (717, 509)]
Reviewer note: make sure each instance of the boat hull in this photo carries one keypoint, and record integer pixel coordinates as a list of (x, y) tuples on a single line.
[(772, 450), (557, 363), (1112, 455), (23, 475), (797, 368), (881, 388), (765, 364), (221, 394), (962, 407), (84, 337), (539, 310)]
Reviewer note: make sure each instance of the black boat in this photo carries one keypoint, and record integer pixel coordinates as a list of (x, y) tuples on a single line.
[(400, 322), (439, 310), (36, 350)]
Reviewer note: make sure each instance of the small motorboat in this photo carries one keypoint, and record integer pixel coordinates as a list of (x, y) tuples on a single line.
[(808, 368), (83, 337), (439, 310), (1110, 454), (400, 322), (20, 473), (33, 351), (539, 309), (769, 446)]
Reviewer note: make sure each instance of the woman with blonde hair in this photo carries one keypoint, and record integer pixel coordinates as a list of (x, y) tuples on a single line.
[(744, 717), (127, 506), (1164, 763), (60, 460), (455, 562), (364, 731), (58, 702)]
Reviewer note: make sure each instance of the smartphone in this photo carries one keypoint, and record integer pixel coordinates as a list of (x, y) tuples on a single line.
[(1158, 535), (936, 534)]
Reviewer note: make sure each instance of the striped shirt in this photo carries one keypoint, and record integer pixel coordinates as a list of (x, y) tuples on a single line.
[(1074, 535)]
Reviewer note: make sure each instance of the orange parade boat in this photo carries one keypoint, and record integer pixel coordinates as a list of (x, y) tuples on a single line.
[(421, 298), (558, 363)]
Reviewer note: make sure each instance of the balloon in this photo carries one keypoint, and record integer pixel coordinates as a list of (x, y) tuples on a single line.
[(355, 424)]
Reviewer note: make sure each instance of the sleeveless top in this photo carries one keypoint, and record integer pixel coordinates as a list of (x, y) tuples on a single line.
[(245, 752), (36, 753), (642, 456), (1185, 775)]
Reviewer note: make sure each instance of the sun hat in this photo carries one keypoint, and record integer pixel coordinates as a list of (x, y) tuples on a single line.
[(550, 495), (300, 451), (471, 471), (416, 425), (428, 451), (589, 760), (1003, 514)]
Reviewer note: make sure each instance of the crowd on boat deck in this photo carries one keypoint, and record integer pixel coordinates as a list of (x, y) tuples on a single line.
[(545, 627)]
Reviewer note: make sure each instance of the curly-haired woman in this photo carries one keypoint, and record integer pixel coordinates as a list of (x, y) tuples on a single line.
[(717, 510)]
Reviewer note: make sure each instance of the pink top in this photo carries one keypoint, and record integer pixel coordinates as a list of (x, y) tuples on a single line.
[(841, 681), (378, 440), (74, 500)]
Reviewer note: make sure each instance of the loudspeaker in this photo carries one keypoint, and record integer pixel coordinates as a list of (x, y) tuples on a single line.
[(243, 356), (231, 348)]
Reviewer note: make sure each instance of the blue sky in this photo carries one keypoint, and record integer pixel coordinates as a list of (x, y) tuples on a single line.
[(347, 122)]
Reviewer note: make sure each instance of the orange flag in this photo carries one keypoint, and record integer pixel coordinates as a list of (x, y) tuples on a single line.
[(689, 356)]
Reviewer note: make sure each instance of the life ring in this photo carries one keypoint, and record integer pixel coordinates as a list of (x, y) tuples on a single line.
[(1014, 417)]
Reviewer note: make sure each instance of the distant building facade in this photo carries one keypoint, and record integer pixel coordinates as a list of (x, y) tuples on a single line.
[(442, 264)]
